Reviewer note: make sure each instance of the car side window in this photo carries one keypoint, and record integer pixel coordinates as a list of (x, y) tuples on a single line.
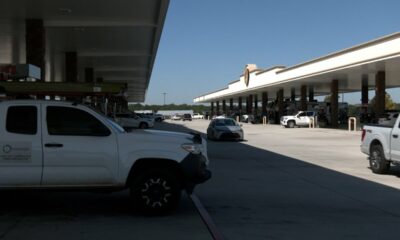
[(73, 122), (303, 114), (22, 120)]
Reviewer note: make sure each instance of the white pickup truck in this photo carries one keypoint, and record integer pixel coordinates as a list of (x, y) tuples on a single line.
[(382, 144), (64, 145), (300, 119)]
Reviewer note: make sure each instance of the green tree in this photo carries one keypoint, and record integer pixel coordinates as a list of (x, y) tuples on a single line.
[(328, 98), (155, 108), (389, 103)]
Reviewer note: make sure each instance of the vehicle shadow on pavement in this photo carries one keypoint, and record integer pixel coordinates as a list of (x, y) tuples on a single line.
[(74, 203), (78, 215), (259, 194), (394, 170)]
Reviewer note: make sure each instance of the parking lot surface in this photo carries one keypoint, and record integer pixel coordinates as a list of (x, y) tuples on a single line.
[(297, 184), (66, 215)]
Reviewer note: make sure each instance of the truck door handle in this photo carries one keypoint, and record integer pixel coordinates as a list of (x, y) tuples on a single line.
[(395, 136), (53, 145)]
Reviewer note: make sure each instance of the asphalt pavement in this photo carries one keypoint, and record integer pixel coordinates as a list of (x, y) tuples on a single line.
[(297, 184)]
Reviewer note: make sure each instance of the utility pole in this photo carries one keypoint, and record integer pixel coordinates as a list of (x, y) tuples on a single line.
[(164, 96)]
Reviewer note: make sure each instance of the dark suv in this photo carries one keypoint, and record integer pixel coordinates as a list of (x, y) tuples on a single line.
[(187, 117)]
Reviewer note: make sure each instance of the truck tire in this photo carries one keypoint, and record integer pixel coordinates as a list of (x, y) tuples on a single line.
[(143, 125), (291, 124), (156, 191), (377, 160)]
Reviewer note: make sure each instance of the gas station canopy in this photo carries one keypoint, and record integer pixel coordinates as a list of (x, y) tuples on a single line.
[(351, 68), (113, 42)]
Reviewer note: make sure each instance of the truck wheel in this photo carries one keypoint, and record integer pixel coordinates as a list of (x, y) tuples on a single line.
[(291, 124), (377, 160), (143, 125), (156, 192)]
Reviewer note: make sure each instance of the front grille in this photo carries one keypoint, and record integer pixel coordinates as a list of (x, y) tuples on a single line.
[(229, 136)]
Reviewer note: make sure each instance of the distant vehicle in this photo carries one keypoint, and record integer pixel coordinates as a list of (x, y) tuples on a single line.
[(198, 116), (247, 118), (176, 117), (219, 116), (148, 116), (155, 116), (187, 117), (132, 120), (382, 145), (388, 118), (224, 128), (300, 119)]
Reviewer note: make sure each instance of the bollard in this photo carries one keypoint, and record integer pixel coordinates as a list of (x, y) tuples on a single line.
[(237, 118), (264, 120), (354, 121), (311, 124)]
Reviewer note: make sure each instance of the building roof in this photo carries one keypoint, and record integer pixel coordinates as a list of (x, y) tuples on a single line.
[(349, 66)]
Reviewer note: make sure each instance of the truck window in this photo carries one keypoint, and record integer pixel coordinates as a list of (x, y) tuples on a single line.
[(73, 122), (22, 120), (303, 114)]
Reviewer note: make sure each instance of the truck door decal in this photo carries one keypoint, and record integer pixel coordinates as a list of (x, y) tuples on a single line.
[(15, 151)]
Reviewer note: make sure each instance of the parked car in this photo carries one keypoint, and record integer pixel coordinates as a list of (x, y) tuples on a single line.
[(146, 116), (388, 118), (198, 116), (58, 145), (224, 128), (132, 120), (155, 116), (176, 117), (187, 117), (381, 143), (302, 118), (246, 118), (219, 116)]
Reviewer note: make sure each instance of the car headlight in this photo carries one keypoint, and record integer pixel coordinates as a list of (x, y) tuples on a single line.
[(192, 148)]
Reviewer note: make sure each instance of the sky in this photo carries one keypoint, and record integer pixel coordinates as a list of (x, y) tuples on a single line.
[(206, 44)]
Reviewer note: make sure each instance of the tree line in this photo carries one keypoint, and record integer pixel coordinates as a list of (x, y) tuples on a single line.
[(352, 111), (155, 108)]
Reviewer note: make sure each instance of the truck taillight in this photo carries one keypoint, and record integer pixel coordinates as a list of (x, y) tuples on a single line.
[(363, 135)]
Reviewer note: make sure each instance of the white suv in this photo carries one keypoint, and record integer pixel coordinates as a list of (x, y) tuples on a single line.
[(300, 119), (197, 116), (131, 120)]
